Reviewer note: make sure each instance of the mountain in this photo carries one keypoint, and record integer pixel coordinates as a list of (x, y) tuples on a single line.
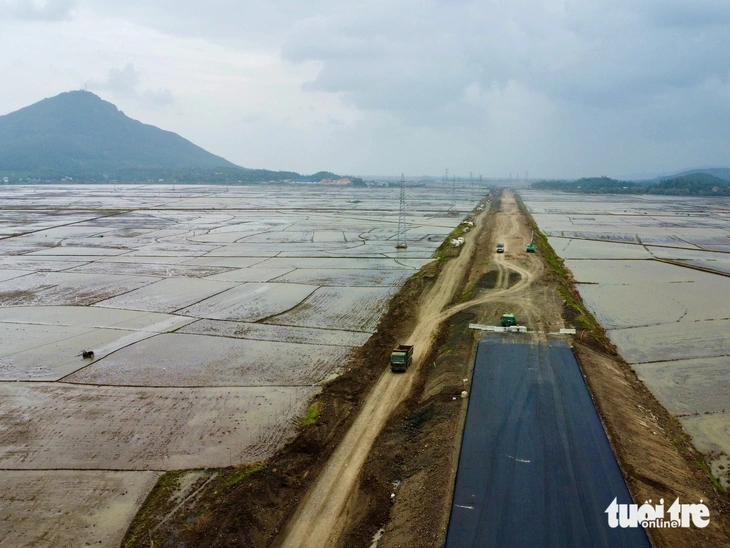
[(79, 135)]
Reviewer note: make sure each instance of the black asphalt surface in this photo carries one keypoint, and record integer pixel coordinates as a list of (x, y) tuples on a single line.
[(535, 468)]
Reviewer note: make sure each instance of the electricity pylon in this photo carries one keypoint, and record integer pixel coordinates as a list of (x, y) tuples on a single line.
[(401, 244)]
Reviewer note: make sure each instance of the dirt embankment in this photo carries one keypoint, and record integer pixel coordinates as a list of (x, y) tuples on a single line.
[(415, 457), (327, 508), (408, 469), (251, 505), (406, 485)]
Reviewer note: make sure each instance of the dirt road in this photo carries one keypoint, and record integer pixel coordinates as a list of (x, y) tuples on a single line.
[(321, 516), (654, 453)]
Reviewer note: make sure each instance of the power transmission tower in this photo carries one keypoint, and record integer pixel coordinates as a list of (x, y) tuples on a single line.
[(401, 244), (453, 192)]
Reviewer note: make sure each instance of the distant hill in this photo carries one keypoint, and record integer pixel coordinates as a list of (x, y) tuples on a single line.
[(693, 184), (77, 134), (719, 172), (592, 185)]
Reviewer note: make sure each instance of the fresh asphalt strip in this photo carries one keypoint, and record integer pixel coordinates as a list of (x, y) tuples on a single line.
[(535, 468)]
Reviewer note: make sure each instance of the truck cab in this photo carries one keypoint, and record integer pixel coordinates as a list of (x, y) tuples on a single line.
[(508, 320)]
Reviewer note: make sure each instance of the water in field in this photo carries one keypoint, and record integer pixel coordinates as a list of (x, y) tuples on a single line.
[(214, 315)]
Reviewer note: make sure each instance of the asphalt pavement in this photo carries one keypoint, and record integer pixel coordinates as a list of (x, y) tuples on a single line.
[(535, 468)]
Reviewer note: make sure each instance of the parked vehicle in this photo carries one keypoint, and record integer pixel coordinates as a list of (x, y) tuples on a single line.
[(500, 248)]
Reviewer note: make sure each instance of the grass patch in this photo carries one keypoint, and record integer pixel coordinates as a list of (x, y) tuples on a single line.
[(153, 506), (310, 417), (241, 474), (710, 475), (468, 292)]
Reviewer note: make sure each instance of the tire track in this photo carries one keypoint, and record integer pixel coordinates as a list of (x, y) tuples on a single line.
[(322, 514)]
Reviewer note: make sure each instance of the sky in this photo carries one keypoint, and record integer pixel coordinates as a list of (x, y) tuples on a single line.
[(543, 88)]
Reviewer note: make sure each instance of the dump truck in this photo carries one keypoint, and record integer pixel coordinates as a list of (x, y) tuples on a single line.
[(401, 358), (500, 248), (508, 319)]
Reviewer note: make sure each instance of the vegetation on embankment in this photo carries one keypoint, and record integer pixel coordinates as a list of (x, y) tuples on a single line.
[(446, 249), (575, 310), (310, 417)]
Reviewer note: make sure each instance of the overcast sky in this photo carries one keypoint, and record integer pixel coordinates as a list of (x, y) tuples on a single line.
[(558, 88)]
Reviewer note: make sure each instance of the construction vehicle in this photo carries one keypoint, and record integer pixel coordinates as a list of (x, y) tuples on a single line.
[(508, 319), (401, 358), (531, 246), (500, 248)]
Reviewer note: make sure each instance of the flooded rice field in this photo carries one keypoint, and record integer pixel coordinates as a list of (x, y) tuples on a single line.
[(655, 271), (214, 315), (99, 502)]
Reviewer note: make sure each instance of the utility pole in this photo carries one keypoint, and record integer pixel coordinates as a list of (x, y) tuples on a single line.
[(401, 238)]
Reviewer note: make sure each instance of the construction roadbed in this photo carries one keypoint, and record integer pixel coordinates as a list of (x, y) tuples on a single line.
[(535, 468)]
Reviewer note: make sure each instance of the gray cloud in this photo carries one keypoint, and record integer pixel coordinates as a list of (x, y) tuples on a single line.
[(36, 10), (563, 85), (124, 82), (251, 22), (614, 54), (682, 14)]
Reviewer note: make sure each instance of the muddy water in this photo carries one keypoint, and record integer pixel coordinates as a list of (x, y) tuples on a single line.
[(635, 260)]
